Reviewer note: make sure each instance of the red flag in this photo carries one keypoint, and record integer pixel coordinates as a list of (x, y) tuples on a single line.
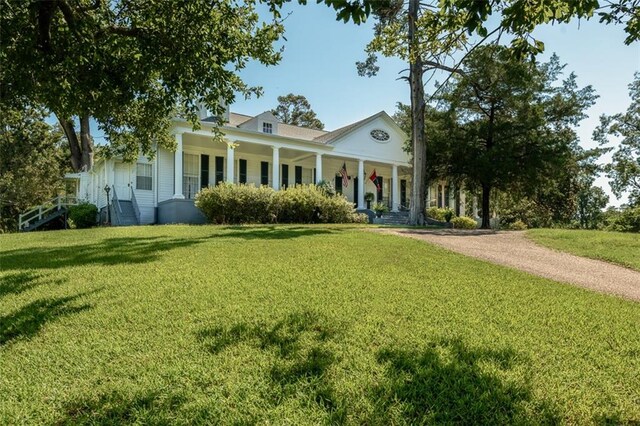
[(374, 178), (345, 175)]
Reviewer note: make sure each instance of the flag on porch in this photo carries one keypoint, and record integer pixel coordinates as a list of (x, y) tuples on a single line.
[(345, 175), (374, 178)]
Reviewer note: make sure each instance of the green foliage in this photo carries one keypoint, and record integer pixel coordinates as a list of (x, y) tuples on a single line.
[(130, 65), (464, 222), (624, 169), (327, 187), (240, 204), (518, 225), (591, 202), (31, 162), (301, 325), (615, 247), (296, 110), (83, 215), (368, 196), (380, 208), (439, 214), (626, 220)]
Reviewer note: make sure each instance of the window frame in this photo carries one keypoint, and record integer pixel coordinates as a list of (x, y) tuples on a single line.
[(142, 177)]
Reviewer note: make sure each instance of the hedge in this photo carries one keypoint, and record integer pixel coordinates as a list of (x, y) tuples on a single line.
[(245, 203)]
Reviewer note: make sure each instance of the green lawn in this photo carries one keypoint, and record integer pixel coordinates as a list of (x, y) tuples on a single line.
[(299, 325), (615, 247)]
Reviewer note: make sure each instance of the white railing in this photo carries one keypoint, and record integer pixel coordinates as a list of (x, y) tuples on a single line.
[(134, 203), (117, 209), (45, 209)]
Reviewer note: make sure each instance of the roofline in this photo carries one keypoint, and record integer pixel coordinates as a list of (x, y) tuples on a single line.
[(361, 123)]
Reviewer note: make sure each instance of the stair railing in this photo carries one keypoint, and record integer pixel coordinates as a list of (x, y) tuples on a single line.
[(39, 212), (115, 211), (134, 203)]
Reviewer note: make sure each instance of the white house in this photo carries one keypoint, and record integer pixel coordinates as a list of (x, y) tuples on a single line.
[(262, 151)]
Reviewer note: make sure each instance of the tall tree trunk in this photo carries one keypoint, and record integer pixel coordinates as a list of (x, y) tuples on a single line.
[(486, 208), (87, 144), (81, 149), (74, 145), (418, 187)]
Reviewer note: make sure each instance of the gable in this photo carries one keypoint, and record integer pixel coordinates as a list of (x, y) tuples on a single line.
[(379, 138)]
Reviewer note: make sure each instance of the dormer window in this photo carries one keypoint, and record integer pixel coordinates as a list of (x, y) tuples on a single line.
[(267, 128)]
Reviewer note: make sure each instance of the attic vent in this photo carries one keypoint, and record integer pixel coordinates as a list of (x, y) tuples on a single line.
[(380, 135)]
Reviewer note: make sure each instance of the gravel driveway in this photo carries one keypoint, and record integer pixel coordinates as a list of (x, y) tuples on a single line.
[(513, 249)]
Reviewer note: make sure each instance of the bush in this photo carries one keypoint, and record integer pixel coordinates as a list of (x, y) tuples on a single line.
[(439, 214), (518, 225), (83, 215), (464, 222), (627, 220), (237, 204)]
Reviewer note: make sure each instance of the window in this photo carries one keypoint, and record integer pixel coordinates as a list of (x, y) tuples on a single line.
[(190, 175), (143, 176), (298, 175), (219, 169), (285, 176), (243, 171), (204, 171), (267, 128)]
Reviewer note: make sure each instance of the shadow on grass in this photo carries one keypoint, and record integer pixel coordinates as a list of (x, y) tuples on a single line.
[(111, 251), (19, 282), (115, 409), (302, 357), (275, 232), (27, 321), (451, 383)]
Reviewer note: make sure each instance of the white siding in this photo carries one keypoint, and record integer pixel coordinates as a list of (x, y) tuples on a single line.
[(165, 162), (145, 198)]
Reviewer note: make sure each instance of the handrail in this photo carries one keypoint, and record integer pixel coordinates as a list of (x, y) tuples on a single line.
[(134, 203), (43, 209), (116, 212)]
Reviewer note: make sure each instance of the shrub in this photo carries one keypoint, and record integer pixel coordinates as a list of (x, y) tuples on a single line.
[(360, 218), (237, 204), (627, 220), (380, 208), (464, 222), (518, 225), (83, 215), (442, 215)]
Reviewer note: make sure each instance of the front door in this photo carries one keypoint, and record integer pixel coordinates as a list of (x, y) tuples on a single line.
[(122, 182)]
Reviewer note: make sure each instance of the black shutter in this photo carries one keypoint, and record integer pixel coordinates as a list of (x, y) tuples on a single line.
[(379, 199), (204, 171), (439, 196), (298, 175), (264, 173), (243, 171), (338, 184), (355, 191), (403, 192), (219, 169), (285, 176), (315, 178)]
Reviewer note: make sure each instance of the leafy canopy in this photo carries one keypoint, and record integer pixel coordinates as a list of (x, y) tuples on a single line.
[(296, 110)]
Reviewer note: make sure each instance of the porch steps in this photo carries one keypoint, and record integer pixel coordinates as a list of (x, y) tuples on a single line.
[(394, 218), (53, 215), (126, 215)]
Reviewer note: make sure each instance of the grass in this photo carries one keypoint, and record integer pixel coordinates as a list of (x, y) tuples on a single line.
[(299, 325), (615, 247)]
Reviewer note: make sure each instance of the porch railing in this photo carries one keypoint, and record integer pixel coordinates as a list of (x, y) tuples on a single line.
[(134, 203), (45, 209), (115, 208)]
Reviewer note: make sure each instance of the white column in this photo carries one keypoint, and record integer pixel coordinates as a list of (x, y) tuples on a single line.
[(177, 168), (361, 179), (395, 192), (463, 203), (231, 161), (428, 200), (318, 168), (275, 176), (452, 197)]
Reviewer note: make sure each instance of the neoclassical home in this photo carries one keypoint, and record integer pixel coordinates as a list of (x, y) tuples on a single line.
[(261, 151)]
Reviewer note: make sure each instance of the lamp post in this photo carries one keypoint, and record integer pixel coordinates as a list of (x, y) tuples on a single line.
[(107, 189)]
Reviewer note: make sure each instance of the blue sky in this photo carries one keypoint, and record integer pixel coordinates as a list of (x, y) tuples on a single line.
[(320, 55)]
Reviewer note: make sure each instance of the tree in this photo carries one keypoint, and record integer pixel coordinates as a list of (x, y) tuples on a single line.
[(624, 169), (31, 162), (591, 202), (296, 110), (507, 125), (129, 65)]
